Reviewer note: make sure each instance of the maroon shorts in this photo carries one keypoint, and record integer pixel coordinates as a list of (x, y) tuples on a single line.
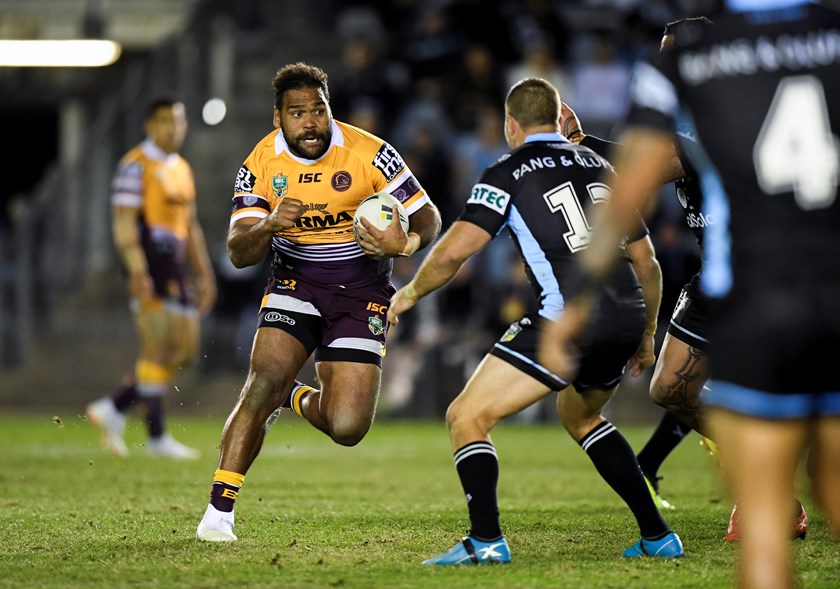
[(339, 324)]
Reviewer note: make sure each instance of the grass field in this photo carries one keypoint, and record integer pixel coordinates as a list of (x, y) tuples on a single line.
[(313, 514)]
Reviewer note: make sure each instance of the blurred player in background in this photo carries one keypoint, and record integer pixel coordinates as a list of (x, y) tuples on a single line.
[(159, 240), (683, 365), (543, 192), (295, 198), (768, 158)]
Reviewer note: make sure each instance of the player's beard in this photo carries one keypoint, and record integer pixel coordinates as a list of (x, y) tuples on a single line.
[(311, 152)]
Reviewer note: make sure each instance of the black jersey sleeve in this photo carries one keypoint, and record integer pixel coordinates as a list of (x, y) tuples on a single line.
[(489, 203), (653, 97), (600, 146)]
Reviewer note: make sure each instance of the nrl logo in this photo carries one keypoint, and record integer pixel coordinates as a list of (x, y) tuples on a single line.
[(280, 185), (375, 325)]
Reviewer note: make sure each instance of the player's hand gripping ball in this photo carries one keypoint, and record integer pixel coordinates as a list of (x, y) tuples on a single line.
[(377, 209)]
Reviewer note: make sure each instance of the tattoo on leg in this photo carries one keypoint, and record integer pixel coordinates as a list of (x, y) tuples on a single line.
[(682, 396)]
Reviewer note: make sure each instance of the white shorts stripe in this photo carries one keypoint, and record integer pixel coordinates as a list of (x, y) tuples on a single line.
[(357, 343), (287, 303)]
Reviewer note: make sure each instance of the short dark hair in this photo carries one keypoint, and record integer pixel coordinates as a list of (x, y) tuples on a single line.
[(297, 76), (685, 23), (533, 102), (159, 102)]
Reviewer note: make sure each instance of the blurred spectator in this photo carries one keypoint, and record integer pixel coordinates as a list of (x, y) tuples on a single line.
[(540, 62), (363, 75), (475, 151), (472, 82), (424, 111), (431, 42), (600, 87)]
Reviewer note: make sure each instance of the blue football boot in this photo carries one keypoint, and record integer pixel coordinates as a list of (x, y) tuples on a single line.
[(669, 546), (472, 551)]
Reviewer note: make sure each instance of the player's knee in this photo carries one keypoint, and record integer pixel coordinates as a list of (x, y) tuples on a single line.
[(260, 394), (349, 432), (460, 416), (660, 393)]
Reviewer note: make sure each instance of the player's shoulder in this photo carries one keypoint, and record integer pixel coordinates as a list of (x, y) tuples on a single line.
[(135, 155), (358, 140), (265, 147)]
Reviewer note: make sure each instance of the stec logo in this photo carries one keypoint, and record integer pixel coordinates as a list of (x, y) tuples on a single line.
[(490, 197)]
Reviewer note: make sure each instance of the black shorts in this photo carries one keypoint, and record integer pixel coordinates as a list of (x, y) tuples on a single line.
[(774, 352), (602, 364), (338, 324), (690, 319)]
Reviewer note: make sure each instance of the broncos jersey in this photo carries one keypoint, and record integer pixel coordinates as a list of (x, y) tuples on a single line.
[(162, 186), (761, 88), (544, 193), (321, 247)]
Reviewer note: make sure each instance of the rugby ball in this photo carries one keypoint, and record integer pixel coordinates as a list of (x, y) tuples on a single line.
[(377, 209)]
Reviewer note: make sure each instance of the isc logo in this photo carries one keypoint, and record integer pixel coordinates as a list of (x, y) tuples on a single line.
[(309, 177), (377, 308)]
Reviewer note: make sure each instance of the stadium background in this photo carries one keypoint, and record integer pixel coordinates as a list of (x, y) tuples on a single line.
[(427, 75)]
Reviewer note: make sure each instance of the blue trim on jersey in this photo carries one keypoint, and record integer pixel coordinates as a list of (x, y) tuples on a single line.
[(551, 303), (716, 272), (545, 137), (752, 5), (772, 406), (530, 362), (687, 332)]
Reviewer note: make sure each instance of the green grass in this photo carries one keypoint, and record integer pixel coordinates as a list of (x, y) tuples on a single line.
[(313, 514)]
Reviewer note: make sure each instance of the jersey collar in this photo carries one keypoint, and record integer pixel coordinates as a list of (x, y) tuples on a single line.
[(546, 137), (153, 152), (280, 144)]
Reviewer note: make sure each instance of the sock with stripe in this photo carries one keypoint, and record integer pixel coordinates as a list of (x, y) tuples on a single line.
[(616, 463), (667, 435), (296, 396), (225, 489), (478, 468)]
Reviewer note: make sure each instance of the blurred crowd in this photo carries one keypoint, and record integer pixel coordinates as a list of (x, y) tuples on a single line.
[(430, 77)]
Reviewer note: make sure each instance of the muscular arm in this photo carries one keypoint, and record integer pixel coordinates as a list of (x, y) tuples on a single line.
[(424, 226), (127, 240), (458, 244), (249, 239), (649, 273), (425, 223), (200, 263)]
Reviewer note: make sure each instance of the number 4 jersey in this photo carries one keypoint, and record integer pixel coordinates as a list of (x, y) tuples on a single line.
[(762, 91), (544, 193)]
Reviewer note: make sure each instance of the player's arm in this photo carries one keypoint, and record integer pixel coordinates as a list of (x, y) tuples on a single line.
[(200, 263), (249, 238), (423, 228), (127, 239), (572, 130), (646, 266), (461, 241)]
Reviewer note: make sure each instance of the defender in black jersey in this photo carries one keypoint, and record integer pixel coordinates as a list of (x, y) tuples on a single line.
[(545, 192), (762, 88)]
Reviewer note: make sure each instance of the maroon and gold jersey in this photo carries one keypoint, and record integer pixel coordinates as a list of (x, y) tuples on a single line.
[(162, 186), (321, 247)]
